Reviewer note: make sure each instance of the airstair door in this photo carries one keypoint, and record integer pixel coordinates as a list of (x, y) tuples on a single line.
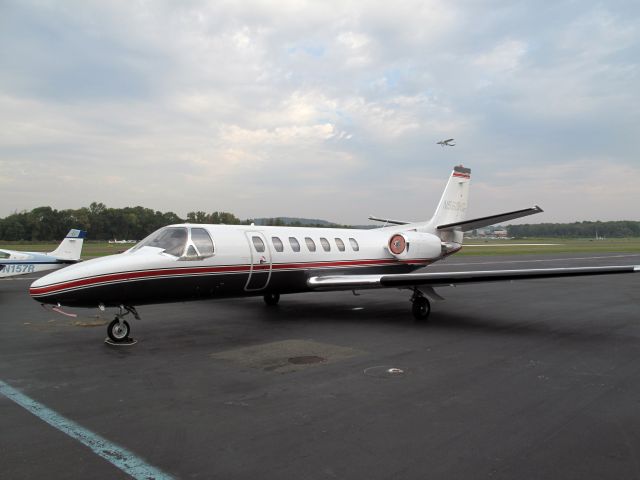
[(260, 271)]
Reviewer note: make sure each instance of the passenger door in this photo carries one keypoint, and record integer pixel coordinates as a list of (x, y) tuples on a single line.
[(260, 271)]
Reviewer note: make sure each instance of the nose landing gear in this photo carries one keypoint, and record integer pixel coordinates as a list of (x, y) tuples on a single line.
[(119, 329)]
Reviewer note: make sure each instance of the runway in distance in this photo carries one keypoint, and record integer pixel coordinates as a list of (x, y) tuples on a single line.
[(15, 262), (194, 261)]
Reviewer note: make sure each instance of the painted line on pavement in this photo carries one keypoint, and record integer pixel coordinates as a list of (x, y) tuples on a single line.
[(123, 459)]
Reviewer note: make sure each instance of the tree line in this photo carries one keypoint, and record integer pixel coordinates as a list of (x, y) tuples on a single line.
[(104, 223), (616, 229), (135, 223)]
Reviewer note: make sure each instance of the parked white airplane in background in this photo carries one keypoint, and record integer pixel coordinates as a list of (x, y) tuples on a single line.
[(14, 262), (188, 262)]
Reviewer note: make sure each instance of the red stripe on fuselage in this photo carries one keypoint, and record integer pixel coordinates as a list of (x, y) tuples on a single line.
[(170, 272)]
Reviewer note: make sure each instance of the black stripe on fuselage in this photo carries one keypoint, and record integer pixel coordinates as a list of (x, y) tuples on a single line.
[(202, 286)]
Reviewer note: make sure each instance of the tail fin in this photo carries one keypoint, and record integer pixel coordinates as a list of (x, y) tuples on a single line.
[(71, 247), (453, 204)]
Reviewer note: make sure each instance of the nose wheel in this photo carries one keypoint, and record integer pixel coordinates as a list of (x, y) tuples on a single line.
[(119, 329)]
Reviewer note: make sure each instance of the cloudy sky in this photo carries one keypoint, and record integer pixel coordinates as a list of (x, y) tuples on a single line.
[(321, 109)]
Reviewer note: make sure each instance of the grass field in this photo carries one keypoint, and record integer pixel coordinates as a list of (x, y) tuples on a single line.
[(94, 249), (91, 249)]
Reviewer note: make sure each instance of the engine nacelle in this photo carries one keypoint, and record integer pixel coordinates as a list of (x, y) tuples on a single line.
[(414, 246)]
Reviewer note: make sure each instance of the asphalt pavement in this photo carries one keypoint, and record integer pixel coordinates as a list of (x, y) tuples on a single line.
[(530, 379)]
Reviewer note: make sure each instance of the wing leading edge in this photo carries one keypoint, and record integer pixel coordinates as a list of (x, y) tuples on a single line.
[(441, 279)]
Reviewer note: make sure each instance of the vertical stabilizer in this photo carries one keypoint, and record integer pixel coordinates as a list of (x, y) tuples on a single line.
[(452, 207), (71, 247)]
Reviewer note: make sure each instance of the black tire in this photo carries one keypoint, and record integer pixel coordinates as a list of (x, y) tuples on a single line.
[(118, 332), (421, 308), (271, 299)]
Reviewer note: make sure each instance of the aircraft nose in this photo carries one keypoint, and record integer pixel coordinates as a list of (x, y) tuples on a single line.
[(40, 289), (53, 287)]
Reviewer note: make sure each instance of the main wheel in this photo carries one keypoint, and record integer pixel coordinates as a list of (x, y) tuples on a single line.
[(271, 298), (421, 308), (118, 332)]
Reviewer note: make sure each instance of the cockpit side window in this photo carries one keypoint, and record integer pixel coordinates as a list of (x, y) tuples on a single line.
[(4, 255), (202, 241), (171, 239)]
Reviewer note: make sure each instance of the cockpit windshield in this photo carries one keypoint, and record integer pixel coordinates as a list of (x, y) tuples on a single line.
[(171, 239)]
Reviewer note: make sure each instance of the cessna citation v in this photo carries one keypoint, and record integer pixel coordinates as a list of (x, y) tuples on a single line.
[(188, 262), (13, 262)]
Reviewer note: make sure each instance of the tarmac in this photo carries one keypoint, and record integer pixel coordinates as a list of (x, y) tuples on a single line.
[(530, 379)]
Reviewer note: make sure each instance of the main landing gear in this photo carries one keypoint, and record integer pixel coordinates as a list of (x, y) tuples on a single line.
[(421, 307), (271, 299), (119, 329)]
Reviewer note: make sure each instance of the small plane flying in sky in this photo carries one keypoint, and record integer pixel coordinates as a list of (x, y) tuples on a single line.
[(446, 143), (14, 262), (193, 261)]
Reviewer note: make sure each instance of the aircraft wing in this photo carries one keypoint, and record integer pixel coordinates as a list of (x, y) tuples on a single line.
[(441, 279), (472, 224)]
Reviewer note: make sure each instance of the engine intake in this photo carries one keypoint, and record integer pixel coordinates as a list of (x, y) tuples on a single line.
[(414, 246)]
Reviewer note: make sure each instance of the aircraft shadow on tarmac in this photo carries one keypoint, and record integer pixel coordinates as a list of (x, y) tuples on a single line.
[(591, 329)]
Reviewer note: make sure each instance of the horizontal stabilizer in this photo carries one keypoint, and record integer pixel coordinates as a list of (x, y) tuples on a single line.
[(472, 224), (441, 279), (388, 220)]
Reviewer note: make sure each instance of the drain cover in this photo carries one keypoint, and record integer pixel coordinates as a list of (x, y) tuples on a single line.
[(305, 360), (384, 371)]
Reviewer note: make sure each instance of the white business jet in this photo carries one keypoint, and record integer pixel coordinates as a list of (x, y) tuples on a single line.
[(14, 262), (189, 262)]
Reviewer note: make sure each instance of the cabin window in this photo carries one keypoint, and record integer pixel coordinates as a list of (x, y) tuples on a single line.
[(311, 245), (202, 241), (171, 240), (340, 244), (277, 244), (295, 245), (258, 244), (4, 255), (191, 251), (325, 244), (354, 244)]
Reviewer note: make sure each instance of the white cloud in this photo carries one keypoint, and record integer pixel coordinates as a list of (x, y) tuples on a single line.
[(503, 58), (337, 103)]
